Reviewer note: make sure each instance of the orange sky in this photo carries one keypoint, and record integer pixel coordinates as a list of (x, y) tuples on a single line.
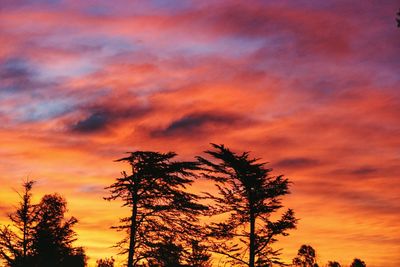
[(310, 86)]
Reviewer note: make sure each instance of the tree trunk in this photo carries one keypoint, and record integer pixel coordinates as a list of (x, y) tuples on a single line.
[(25, 218), (252, 245), (132, 239)]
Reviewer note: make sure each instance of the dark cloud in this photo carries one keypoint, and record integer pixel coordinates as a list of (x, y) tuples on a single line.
[(93, 123), (364, 171), (16, 75), (102, 118), (196, 123), (357, 172), (296, 163)]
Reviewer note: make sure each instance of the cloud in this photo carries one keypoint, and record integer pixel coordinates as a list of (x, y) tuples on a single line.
[(95, 189), (358, 172), (297, 163), (93, 123), (301, 85), (195, 124), (103, 116), (16, 75)]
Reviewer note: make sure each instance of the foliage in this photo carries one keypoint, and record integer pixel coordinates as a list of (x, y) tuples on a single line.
[(306, 257), (107, 262), (358, 263), (160, 205), (53, 235), (16, 240), (40, 236), (249, 196), (333, 264)]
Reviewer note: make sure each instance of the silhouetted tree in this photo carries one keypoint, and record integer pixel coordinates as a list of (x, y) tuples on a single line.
[(249, 195), (39, 235), (107, 262), (169, 254), (358, 263), (398, 18), (198, 255), (15, 245), (160, 206), (333, 264), (166, 254), (53, 236), (306, 257)]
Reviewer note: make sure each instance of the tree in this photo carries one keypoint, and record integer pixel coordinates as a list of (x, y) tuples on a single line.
[(248, 195), (40, 236), (306, 257), (358, 263), (333, 264), (166, 254), (107, 262), (159, 204), (16, 240), (53, 235), (198, 255), (169, 254)]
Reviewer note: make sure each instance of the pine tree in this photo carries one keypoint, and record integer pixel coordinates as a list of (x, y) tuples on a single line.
[(248, 195), (54, 235), (40, 236), (107, 262), (306, 257), (159, 204), (333, 264), (16, 240), (358, 263)]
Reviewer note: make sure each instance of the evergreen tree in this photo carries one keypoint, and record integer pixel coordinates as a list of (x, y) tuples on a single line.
[(358, 263), (53, 235), (40, 236), (160, 205), (166, 254), (306, 257), (333, 264), (249, 195), (198, 255), (16, 240), (107, 262)]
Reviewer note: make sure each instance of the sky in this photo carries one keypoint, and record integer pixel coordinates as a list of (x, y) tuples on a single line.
[(312, 87)]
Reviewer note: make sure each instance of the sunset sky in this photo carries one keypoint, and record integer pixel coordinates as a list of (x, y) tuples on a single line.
[(313, 87)]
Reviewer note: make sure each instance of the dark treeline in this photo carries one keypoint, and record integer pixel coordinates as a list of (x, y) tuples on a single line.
[(168, 225)]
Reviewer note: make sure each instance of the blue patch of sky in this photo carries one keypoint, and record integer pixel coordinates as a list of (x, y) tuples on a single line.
[(172, 5), (223, 46), (98, 10), (76, 68), (43, 110), (42, 4), (91, 50), (302, 4), (49, 2)]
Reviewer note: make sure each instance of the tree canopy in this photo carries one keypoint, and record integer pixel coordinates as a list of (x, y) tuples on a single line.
[(39, 234), (249, 195), (306, 257), (155, 191)]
